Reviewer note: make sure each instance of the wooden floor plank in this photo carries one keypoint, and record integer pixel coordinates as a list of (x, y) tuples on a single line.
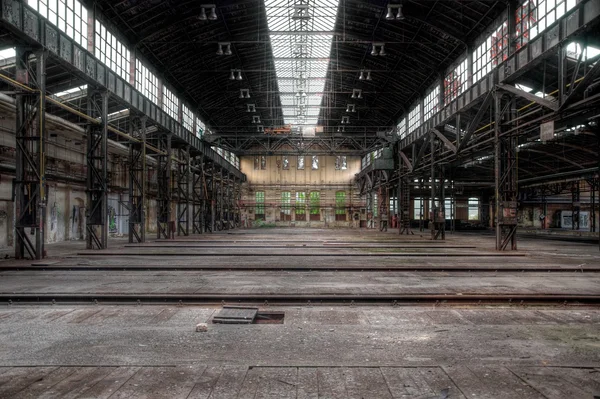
[(556, 383), (110, 384), (160, 382), (19, 378), (80, 381), (308, 386), (251, 384), (332, 383), (206, 382), (493, 382), (45, 383), (362, 382), (277, 382), (230, 382)]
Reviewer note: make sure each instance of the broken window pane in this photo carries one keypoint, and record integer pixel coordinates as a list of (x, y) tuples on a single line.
[(263, 162), (300, 163), (315, 162), (286, 163), (256, 163)]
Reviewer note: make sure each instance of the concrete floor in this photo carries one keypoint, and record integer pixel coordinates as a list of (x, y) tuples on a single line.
[(439, 350)]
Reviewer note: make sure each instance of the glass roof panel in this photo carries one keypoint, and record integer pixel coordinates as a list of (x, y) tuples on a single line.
[(301, 32)]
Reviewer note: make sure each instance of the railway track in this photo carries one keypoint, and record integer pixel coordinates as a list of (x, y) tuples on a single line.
[(515, 300), (416, 269)]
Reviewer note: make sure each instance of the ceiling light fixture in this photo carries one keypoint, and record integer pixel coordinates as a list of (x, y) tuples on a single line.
[(256, 119), (351, 108), (220, 49), (251, 108), (345, 120), (213, 12), (239, 75), (244, 93), (390, 12), (232, 75), (356, 93), (362, 75), (381, 51), (369, 75)]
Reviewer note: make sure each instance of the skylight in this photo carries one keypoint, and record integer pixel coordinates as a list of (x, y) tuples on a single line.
[(301, 32)]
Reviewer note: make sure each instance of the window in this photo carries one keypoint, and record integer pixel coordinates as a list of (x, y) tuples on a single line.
[(112, 52), (340, 205), (401, 128), (286, 162), (431, 102), (170, 103), (341, 162), (146, 82), (315, 205), (260, 205), (300, 206), (473, 208), (449, 209), (260, 162), (188, 118), (200, 128), (414, 118), (286, 211), (68, 15), (315, 162), (534, 16), (418, 208), (455, 82), (491, 52), (300, 163)]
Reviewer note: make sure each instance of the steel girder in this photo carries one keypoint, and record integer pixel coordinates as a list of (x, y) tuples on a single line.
[(163, 177), (31, 138), (137, 181), (244, 145), (97, 172), (183, 191)]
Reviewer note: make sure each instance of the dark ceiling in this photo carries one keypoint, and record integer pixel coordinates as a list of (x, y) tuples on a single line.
[(169, 35)]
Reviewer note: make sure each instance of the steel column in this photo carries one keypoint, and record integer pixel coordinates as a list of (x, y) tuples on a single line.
[(506, 168), (437, 217), (31, 138), (97, 172), (137, 181), (198, 197), (183, 192), (163, 200)]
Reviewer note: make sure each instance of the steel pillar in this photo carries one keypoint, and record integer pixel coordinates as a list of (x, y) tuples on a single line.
[(209, 202), (404, 214), (31, 139), (505, 168), (163, 200), (575, 205), (198, 197), (183, 192), (436, 213), (97, 172), (137, 181)]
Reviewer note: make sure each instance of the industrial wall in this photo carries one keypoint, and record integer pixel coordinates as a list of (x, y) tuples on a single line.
[(267, 175)]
